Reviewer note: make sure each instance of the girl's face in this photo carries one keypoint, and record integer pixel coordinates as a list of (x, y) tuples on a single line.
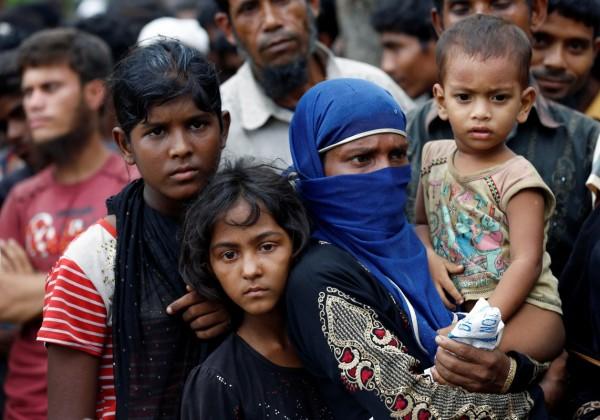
[(176, 150), (251, 262)]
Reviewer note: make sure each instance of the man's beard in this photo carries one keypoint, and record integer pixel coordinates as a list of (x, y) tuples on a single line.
[(63, 149), (279, 80)]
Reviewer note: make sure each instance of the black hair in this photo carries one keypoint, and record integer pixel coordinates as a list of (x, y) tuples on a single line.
[(158, 73), (113, 28), (10, 79), (439, 5), (264, 189), (485, 37), (584, 11), (410, 17), (85, 53)]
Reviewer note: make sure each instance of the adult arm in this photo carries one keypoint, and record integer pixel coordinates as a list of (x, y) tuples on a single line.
[(72, 383), (21, 288), (347, 332)]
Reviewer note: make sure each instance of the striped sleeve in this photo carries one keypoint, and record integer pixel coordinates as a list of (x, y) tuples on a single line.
[(74, 311)]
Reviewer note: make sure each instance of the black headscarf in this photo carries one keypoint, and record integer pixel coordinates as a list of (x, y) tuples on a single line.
[(579, 289), (153, 351)]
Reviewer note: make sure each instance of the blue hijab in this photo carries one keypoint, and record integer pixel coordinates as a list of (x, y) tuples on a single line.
[(364, 213)]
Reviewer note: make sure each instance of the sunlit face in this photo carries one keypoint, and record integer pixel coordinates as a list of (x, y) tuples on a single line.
[(515, 11), (272, 32), (365, 155), (410, 62), (176, 150), (251, 262), (52, 99), (563, 55), (483, 100)]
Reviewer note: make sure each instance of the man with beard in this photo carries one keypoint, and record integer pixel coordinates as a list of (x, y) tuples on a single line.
[(62, 80), (283, 60), (564, 50), (558, 141)]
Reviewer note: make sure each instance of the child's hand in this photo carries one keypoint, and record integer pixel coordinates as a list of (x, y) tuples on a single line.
[(440, 269)]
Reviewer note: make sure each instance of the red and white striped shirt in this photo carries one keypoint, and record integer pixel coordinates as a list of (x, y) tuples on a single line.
[(78, 305)]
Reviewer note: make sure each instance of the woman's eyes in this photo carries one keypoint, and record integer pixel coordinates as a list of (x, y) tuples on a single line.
[(229, 255), (267, 247), (360, 159)]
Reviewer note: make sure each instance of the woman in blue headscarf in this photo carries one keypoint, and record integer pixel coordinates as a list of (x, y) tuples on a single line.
[(362, 309)]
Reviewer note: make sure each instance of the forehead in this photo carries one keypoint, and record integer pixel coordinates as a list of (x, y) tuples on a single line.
[(48, 73), (398, 38), (178, 108), (373, 142), (515, 11), (564, 27), (461, 68)]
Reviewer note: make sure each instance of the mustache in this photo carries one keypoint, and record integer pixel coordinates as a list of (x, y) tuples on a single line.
[(553, 74), (281, 35)]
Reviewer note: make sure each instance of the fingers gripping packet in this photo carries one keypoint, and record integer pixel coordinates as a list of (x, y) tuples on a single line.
[(481, 328)]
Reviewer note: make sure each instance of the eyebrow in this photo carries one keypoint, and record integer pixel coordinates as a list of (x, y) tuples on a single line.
[(258, 238)]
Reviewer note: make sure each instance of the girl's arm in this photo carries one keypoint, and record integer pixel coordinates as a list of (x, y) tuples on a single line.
[(438, 266), (72, 383), (525, 214)]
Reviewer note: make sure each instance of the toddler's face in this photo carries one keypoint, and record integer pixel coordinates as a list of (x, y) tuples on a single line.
[(251, 262), (483, 100)]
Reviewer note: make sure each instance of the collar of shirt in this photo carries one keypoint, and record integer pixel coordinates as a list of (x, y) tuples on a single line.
[(540, 108), (256, 107)]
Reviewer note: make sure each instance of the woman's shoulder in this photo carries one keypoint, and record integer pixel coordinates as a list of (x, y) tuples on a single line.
[(321, 255)]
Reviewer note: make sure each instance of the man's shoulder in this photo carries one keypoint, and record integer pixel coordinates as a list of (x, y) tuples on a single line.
[(573, 119), (29, 187)]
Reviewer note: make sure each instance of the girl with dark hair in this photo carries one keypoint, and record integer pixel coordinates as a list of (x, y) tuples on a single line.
[(239, 239), (111, 288)]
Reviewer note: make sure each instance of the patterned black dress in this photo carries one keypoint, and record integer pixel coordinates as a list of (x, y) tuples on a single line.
[(355, 340), (235, 382)]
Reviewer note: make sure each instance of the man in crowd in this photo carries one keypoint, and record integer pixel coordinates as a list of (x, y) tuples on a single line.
[(14, 124), (408, 45), (62, 80), (557, 140), (564, 49), (283, 60)]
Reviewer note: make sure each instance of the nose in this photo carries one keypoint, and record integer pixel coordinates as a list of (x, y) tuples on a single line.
[(179, 145), (271, 16), (33, 100), (387, 62), (553, 57), (251, 267), (480, 110)]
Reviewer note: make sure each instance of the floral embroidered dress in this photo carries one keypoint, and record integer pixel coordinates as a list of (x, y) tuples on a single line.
[(357, 341), (468, 224)]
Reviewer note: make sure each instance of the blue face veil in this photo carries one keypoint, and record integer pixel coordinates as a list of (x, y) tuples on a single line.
[(364, 213)]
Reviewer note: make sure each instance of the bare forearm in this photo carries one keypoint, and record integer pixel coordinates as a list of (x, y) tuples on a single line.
[(21, 297), (515, 285), (422, 231)]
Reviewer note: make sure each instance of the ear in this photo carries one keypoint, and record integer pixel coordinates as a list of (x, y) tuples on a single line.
[(226, 117), (539, 13), (94, 93), (440, 100), (124, 145), (224, 24), (527, 101), (437, 21)]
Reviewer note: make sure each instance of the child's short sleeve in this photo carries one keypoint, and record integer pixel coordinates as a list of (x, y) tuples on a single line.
[(75, 305), (434, 152)]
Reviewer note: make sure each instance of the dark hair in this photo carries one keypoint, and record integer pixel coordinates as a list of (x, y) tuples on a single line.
[(485, 37), (158, 73), (10, 79), (584, 11), (263, 189), (85, 53), (439, 5), (410, 17), (112, 28)]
